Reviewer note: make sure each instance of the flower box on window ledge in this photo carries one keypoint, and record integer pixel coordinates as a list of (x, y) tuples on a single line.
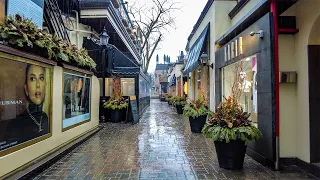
[(125, 22), (129, 30)]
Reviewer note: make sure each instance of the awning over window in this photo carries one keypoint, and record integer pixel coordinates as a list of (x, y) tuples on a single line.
[(192, 61), (121, 64)]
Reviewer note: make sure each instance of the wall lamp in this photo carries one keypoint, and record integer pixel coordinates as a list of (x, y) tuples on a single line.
[(204, 58), (260, 33)]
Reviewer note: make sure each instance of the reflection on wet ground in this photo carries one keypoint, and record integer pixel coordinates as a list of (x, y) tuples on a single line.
[(161, 146)]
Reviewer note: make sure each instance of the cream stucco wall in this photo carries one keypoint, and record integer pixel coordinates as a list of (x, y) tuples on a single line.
[(306, 12), (219, 24), (251, 4), (288, 98), (16, 159)]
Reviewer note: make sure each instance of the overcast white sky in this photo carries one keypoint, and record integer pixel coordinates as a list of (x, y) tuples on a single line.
[(176, 40)]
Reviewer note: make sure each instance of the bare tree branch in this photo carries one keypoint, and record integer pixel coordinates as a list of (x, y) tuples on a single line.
[(152, 20)]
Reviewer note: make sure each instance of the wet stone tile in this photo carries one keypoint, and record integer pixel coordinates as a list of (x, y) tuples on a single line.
[(161, 146)]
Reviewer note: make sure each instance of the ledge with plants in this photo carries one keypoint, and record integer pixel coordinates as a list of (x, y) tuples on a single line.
[(197, 112), (23, 34)]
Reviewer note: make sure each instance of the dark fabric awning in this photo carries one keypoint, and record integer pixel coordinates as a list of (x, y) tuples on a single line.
[(122, 64), (115, 60), (94, 4), (192, 61)]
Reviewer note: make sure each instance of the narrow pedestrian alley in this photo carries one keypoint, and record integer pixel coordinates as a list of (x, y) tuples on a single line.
[(161, 146)]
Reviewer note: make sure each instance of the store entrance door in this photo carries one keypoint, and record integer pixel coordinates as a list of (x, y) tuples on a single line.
[(314, 101)]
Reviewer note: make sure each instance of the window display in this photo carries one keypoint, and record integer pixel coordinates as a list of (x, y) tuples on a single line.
[(25, 97), (109, 88), (248, 86), (127, 86), (76, 100)]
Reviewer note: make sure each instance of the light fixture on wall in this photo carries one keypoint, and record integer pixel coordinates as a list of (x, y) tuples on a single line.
[(204, 58), (260, 33)]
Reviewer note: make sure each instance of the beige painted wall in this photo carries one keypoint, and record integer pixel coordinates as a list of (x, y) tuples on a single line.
[(251, 4), (306, 12), (14, 160), (288, 98), (219, 24)]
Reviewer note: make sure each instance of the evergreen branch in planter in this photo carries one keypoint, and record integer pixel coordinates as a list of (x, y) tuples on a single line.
[(229, 122), (196, 108), (23, 34), (116, 102), (179, 100)]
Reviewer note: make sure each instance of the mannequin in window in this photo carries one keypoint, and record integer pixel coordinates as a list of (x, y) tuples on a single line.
[(245, 86)]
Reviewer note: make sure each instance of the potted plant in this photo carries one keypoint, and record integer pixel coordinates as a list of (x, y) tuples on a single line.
[(231, 130), (197, 112), (116, 104), (170, 99), (163, 97), (179, 103)]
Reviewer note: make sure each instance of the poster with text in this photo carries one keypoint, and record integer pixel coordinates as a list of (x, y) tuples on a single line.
[(76, 100), (25, 94)]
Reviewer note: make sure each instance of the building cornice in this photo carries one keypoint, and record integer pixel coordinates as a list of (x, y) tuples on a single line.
[(107, 10)]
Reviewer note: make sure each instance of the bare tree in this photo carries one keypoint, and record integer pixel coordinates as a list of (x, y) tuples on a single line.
[(153, 20)]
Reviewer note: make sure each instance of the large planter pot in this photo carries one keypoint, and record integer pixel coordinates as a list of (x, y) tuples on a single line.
[(179, 109), (116, 115), (231, 155), (196, 124)]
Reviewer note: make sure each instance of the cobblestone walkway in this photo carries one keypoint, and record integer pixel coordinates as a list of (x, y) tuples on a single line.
[(161, 146)]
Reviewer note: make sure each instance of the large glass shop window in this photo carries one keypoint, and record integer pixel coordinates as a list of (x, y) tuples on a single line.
[(109, 89), (25, 103), (127, 86), (248, 86), (76, 100)]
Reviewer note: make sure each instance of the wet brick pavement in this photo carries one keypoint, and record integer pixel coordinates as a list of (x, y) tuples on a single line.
[(161, 146)]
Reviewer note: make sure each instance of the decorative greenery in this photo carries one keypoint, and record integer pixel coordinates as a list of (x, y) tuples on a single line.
[(116, 102), (229, 122), (179, 100), (196, 108), (167, 97), (23, 34)]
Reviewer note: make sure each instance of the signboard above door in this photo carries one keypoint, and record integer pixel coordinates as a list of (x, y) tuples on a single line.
[(31, 9)]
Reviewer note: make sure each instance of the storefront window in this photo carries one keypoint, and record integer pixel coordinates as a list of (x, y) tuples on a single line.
[(127, 86), (247, 76), (76, 100), (108, 84)]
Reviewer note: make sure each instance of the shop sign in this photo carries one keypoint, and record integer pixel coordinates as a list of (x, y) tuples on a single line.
[(233, 49), (25, 103)]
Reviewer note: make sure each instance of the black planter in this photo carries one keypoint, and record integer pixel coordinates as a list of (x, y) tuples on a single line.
[(169, 103), (116, 115), (197, 123), (231, 155), (162, 99), (179, 109)]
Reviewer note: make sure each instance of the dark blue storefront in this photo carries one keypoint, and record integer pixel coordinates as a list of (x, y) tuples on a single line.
[(111, 62)]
